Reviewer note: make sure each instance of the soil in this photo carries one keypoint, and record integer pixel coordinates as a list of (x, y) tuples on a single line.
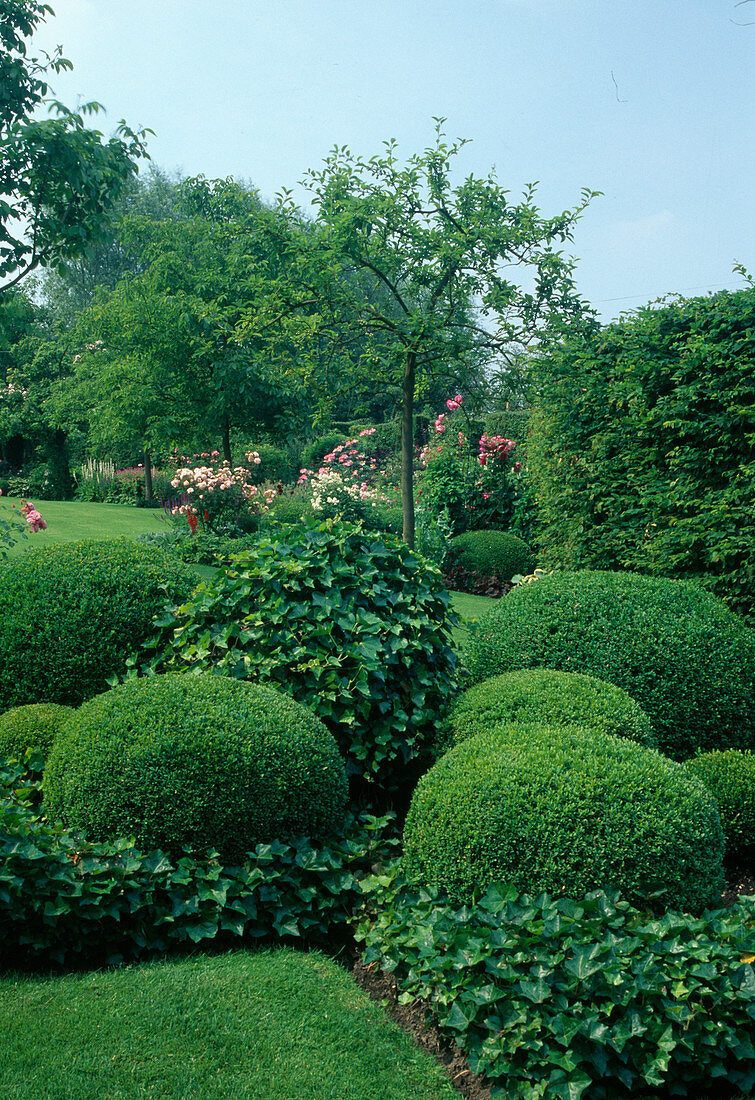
[(412, 1017)]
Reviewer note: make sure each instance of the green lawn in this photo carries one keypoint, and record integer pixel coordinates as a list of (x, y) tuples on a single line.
[(266, 1025), (68, 520)]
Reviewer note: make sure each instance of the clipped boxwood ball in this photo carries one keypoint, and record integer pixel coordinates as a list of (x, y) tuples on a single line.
[(565, 810), (496, 554), (677, 650), (71, 615), (200, 760), (352, 623), (730, 778), (553, 698), (32, 726)]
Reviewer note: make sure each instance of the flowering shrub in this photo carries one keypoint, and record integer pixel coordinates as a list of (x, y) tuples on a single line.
[(11, 532), (475, 488), (344, 485), (215, 497)]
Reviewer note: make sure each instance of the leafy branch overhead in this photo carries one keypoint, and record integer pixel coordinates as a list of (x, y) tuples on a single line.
[(58, 178), (430, 273)]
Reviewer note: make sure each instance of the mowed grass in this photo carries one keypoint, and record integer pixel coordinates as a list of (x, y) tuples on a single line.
[(265, 1025), (69, 520)]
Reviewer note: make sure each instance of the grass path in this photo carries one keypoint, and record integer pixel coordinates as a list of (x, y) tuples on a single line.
[(265, 1025)]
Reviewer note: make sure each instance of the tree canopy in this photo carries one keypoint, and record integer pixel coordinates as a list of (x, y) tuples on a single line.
[(430, 273), (58, 177)]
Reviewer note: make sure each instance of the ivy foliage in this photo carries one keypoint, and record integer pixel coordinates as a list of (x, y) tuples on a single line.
[(353, 624), (65, 900), (642, 453), (561, 999)]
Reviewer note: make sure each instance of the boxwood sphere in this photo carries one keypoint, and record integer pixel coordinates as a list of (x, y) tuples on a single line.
[(553, 698), (730, 778), (204, 760), (70, 615), (677, 650), (32, 726), (565, 810), (492, 553)]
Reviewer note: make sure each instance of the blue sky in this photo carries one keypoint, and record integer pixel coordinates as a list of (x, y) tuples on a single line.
[(649, 101)]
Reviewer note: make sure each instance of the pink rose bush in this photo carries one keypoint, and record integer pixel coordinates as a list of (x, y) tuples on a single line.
[(345, 484), (471, 485), (11, 532), (216, 495)]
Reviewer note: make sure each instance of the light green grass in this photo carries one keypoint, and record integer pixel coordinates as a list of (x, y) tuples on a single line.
[(243, 1026), (69, 520)]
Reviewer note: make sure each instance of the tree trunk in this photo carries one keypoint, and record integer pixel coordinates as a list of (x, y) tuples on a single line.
[(149, 492), (226, 440), (407, 448)]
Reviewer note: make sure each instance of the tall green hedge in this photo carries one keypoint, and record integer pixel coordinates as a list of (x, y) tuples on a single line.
[(642, 453)]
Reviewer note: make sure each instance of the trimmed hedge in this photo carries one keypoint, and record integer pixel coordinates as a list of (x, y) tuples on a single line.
[(354, 624), (553, 698), (677, 650), (642, 455), (196, 760), (730, 778), (70, 901), (70, 615), (32, 726), (564, 809), (490, 553)]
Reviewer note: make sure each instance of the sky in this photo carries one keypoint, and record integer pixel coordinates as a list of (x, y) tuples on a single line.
[(651, 102)]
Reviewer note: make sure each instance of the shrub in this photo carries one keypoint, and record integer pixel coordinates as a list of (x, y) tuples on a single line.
[(70, 615), (550, 997), (275, 464), (314, 453), (32, 726), (564, 809), (730, 777), (485, 561), (677, 650), (543, 695), (112, 902), (643, 451), (196, 760), (289, 508), (353, 624)]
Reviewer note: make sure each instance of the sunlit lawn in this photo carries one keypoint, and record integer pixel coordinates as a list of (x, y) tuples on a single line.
[(243, 1026)]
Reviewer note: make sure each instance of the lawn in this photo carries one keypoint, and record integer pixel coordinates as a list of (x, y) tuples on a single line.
[(68, 520), (246, 1025)]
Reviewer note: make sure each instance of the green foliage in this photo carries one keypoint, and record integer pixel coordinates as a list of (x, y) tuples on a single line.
[(564, 808), (677, 650), (730, 777), (643, 451), (276, 464), (353, 624), (196, 760), (550, 997), (288, 508), (314, 453), (31, 726), (553, 698), (497, 554), (59, 177), (71, 614), (67, 900), (510, 423)]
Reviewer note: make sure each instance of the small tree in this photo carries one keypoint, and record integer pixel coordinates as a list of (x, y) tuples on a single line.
[(58, 178), (443, 260)]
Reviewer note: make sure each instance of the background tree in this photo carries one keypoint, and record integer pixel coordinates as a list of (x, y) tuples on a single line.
[(58, 177), (443, 257)]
